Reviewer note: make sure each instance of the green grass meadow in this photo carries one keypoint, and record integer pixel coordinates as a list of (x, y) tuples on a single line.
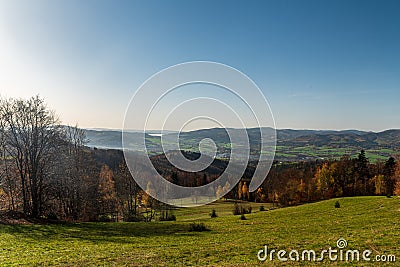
[(365, 222)]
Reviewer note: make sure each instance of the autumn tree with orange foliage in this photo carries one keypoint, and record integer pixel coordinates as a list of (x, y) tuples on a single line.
[(106, 192), (324, 181), (245, 191)]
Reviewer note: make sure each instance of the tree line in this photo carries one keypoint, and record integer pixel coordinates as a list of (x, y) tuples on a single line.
[(303, 182), (47, 171)]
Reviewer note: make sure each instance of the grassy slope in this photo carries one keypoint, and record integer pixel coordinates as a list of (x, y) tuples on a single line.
[(365, 222)]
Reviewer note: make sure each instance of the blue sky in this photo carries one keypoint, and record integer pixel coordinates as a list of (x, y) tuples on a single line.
[(320, 64)]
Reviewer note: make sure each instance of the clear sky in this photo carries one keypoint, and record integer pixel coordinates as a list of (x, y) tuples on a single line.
[(320, 64)]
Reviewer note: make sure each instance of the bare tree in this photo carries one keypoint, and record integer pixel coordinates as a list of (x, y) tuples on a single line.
[(9, 183), (31, 133), (68, 186), (6, 189), (129, 192)]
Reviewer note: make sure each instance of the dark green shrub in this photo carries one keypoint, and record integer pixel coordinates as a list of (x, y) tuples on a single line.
[(262, 208), (213, 214), (198, 227), (105, 218), (241, 209), (337, 204), (242, 217), (133, 217)]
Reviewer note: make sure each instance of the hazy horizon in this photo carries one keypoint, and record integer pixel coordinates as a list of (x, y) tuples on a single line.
[(297, 129), (321, 65)]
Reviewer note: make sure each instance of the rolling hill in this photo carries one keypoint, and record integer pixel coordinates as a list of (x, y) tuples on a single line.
[(291, 145), (366, 223)]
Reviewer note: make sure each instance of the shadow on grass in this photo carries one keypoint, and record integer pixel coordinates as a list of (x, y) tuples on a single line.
[(95, 232)]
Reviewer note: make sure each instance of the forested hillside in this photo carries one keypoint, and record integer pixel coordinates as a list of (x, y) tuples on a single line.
[(291, 145), (47, 171)]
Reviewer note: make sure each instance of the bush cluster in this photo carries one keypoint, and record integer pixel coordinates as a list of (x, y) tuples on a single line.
[(241, 209), (213, 214), (198, 227)]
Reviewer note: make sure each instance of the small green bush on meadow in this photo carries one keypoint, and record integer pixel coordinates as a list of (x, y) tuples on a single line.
[(241, 209), (213, 214), (198, 227)]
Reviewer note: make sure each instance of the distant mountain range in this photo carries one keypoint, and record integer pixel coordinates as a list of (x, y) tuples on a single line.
[(291, 145)]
